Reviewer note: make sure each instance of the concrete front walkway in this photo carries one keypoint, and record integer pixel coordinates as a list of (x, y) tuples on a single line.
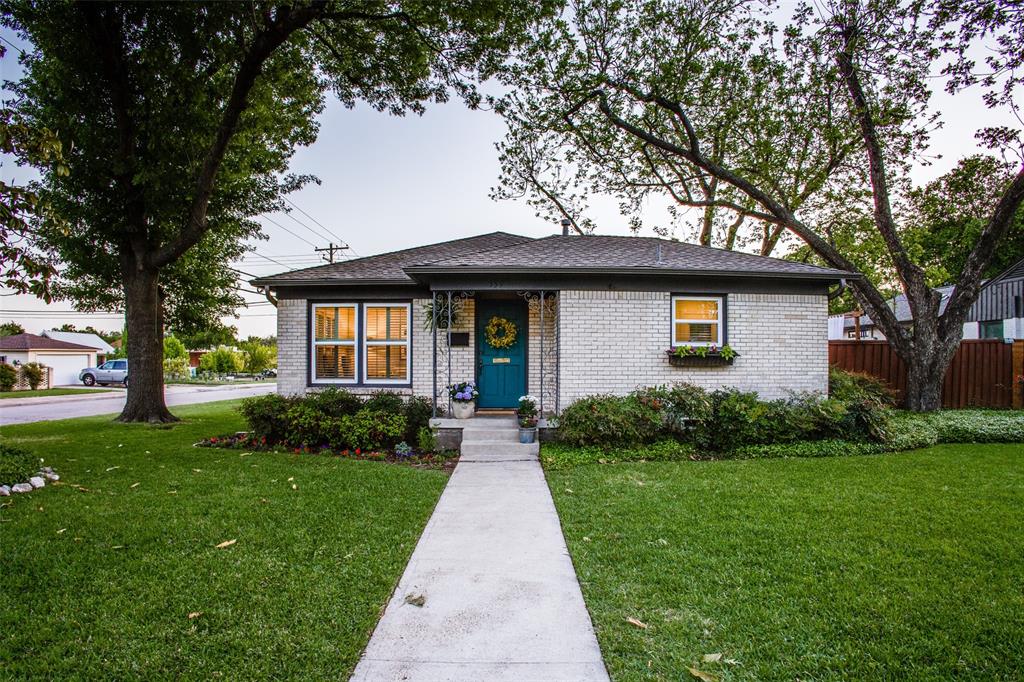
[(500, 596)]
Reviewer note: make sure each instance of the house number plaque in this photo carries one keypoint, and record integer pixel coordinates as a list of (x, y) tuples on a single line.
[(501, 361)]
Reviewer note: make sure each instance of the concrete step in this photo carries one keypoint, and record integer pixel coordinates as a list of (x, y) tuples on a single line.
[(477, 434), (501, 449)]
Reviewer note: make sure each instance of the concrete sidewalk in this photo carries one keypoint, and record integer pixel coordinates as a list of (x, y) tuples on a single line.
[(501, 598)]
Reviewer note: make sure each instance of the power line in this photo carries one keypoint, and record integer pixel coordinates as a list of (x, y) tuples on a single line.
[(319, 235), (328, 230), (18, 49), (294, 234)]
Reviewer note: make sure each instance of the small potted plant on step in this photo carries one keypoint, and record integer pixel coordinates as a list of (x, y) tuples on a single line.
[(463, 396), (527, 414)]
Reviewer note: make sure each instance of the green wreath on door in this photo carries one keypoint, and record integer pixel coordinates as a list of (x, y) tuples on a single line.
[(500, 332)]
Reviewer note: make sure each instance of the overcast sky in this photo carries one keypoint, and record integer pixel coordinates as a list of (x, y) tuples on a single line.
[(390, 183)]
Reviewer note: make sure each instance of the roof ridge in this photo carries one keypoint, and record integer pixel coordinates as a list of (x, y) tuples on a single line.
[(398, 251)]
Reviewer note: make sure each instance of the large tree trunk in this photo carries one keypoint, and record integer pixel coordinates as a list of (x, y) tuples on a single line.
[(927, 365), (145, 349)]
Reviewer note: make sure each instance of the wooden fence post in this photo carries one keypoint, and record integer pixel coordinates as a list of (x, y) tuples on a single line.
[(1018, 371)]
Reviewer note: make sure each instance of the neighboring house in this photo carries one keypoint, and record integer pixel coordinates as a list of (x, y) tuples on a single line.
[(66, 359), (997, 314), (103, 349), (195, 356), (589, 314)]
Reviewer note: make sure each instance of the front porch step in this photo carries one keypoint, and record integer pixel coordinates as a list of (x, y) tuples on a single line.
[(498, 449), (474, 435)]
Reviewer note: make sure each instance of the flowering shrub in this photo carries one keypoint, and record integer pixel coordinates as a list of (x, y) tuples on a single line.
[(527, 411), (464, 391)]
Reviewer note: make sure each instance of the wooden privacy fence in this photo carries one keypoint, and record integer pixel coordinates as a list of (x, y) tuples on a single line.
[(983, 373)]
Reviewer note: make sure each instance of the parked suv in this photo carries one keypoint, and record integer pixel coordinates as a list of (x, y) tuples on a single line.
[(110, 372)]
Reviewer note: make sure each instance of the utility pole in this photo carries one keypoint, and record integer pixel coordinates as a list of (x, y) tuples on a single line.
[(329, 251)]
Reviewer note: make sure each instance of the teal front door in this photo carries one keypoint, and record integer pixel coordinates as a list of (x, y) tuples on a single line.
[(501, 372)]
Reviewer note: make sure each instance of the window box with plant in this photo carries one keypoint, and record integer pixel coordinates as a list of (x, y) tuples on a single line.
[(463, 395), (527, 416), (701, 356)]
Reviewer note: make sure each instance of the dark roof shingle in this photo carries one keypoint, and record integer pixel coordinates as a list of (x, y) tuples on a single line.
[(389, 267), (619, 253)]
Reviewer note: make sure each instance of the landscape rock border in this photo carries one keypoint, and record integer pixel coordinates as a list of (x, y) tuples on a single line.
[(38, 481)]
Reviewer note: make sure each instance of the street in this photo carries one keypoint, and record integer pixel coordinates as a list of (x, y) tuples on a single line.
[(23, 411)]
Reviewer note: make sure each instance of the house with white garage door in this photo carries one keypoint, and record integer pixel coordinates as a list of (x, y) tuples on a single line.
[(103, 349), (67, 359)]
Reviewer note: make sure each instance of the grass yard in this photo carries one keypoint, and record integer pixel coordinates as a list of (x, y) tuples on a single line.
[(906, 566), (44, 392), (122, 578)]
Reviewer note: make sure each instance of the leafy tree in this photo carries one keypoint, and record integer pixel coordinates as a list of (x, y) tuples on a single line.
[(258, 356), (25, 268), (946, 218), (11, 328), (174, 348), (832, 111), (222, 360), (209, 337), (184, 118), (8, 377)]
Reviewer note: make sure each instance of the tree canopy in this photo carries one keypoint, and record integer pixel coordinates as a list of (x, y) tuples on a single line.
[(786, 131), (184, 118)]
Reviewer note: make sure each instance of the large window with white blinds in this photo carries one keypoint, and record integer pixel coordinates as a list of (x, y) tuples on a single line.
[(360, 343), (386, 343)]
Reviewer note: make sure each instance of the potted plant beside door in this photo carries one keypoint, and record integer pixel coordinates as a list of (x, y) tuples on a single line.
[(463, 395), (527, 414)]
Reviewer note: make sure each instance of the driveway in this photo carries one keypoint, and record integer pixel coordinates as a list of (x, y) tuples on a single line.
[(23, 411)]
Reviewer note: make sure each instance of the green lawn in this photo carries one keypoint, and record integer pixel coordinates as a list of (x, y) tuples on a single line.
[(904, 566), (43, 392), (100, 581)]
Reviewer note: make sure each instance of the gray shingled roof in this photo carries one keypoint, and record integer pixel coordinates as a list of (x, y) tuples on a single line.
[(599, 253), (388, 267)]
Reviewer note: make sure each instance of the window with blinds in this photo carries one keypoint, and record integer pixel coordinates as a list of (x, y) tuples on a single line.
[(386, 343), (334, 343), (696, 320)]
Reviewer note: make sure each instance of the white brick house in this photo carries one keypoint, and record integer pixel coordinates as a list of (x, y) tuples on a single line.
[(592, 314)]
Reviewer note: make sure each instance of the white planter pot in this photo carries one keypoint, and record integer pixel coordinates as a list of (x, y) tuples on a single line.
[(463, 409)]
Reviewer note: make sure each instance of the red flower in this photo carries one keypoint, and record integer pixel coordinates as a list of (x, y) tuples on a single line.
[(358, 452)]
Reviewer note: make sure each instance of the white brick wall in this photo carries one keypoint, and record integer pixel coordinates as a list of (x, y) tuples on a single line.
[(613, 342)]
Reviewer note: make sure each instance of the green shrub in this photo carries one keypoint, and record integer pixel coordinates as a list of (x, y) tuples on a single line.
[(856, 386), (426, 441), (223, 360), (562, 456), (385, 401), (176, 368), (418, 411), (733, 421), (370, 430), (8, 377), (681, 405), (608, 421), (267, 416), (16, 464), (32, 373), (334, 402)]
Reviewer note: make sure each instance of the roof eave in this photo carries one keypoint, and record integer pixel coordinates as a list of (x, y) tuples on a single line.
[(280, 282), (420, 270)]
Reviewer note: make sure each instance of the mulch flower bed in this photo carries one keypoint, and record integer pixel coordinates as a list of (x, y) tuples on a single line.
[(243, 441)]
